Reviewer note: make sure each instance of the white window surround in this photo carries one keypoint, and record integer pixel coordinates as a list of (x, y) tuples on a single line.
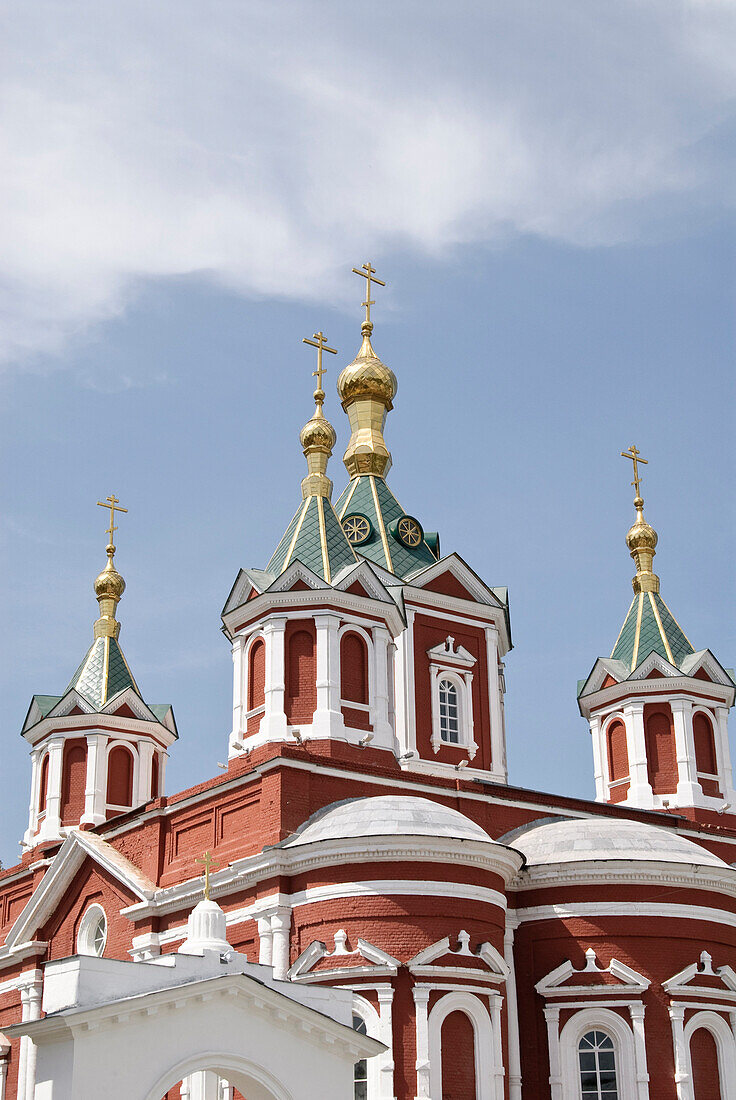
[(89, 940), (132, 747), (725, 1044), (454, 663), (378, 1025), (564, 1063), (352, 628), (489, 1071)]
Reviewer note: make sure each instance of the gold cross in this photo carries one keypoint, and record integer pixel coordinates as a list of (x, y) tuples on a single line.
[(368, 274), (113, 505), (321, 346), (636, 458), (209, 864)]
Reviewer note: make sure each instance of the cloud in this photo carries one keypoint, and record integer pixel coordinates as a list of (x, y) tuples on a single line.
[(260, 145)]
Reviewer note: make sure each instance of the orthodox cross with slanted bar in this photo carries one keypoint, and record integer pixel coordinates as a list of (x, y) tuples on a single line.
[(113, 505), (634, 454), (369, 274), (209, 865), (319, 342)]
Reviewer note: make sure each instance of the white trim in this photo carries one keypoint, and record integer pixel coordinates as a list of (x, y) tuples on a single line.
[(603, 909), (602, 1019), (489, 1071), (378, 1026), (725, 1046), (554, 983), (87, 925)]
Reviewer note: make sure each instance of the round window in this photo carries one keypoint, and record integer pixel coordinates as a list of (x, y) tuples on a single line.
[(92, 935), (358, 528), (408, 531)]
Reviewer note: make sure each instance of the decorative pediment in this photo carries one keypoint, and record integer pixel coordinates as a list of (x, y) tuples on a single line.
[(361, 576), (295, 572), (76, 848), (652, 664), (700, 979), (451, 576), (440, 960), (449, 653), (616, 978), (248, 583), (316, 962), (605, 669), (702, 665)]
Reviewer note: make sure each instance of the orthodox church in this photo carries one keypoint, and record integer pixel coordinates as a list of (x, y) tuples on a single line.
[(361, 905)]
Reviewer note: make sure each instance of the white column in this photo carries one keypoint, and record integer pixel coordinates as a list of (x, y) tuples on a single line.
[(280, 929), (273, 723), (145, 766), (640, 789), (600, 770), (636, 1011), (498, 736), (405, 716), (3, 1076), (689, 791), (265, 941), (385, 1036), (202, 1085), (496, 1001), (95, 791), (512, 1010), (682, 1075), (163, 758), (380, 717), (35, 799), (723, 755), (552, 1016), (31, 988), (421, 1002), (239, 705), (52, 822), (328, 720)]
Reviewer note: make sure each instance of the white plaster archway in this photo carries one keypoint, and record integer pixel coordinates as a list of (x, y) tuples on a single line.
[(251, 1080), (488, 1070), (725, 1045)]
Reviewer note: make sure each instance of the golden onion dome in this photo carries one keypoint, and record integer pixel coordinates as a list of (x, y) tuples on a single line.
[(367, 376), (109, 584), (318, 433), (641, 536)]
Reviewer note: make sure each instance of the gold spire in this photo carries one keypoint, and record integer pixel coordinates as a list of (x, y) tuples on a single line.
[(367, 388), (642, 538), (109, 586), (318, 437)]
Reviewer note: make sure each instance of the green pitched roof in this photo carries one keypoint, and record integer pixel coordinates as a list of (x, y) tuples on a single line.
[(649, 627), (315, 538), (103, 673), (370, 496)]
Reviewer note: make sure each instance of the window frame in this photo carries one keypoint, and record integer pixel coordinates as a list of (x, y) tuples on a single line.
[(85, 933), (597, 1018), (462, 681)]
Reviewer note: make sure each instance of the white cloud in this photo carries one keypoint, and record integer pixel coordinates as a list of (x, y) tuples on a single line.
[(260, 142)]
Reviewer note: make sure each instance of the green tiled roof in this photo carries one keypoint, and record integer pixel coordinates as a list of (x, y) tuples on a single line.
[(315, 538), (371, 496), (649, 627), (103, 673)]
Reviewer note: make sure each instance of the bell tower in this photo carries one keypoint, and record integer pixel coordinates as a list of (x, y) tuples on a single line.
[(98, 749), (657, 708)]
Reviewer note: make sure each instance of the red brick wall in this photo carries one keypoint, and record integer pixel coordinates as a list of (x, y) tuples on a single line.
[(74, 780), (458, 1058), (301, 671), (660, 742), (704, 1058)]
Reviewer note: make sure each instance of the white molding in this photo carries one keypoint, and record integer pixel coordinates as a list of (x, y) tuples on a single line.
[(605, 909), (725, 1045), (630, 981), (632, 1078), (489, 1070), (679, 984)]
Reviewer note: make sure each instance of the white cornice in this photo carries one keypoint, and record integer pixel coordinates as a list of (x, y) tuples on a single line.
[(139, 727), (619, 873), (270, 602), (656, 690)]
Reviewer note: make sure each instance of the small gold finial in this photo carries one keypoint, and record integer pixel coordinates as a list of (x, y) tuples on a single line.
[(109, 586), (641, 538), (209, 865), (318, 437), (369, 274)]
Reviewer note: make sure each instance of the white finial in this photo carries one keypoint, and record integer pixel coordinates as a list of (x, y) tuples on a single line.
[(707, 961), (591, 963), (463, 938), (341, 941)]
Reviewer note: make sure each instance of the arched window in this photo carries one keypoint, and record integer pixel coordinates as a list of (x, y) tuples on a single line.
[(618, 761), (661, 758), (120, 777), (360, 1069), (301, 691), (92, 934), (706, 761), (353, 668), (43, 784), (155, 776), (597, 1062), (449, 713), (74, 781), (257, 674), (704, 1062), (458, 1057)]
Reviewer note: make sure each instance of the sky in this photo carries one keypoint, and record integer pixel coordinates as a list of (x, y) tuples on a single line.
[(547, 191)]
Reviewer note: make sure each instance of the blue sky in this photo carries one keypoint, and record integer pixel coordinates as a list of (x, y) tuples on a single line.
[(546, 191)]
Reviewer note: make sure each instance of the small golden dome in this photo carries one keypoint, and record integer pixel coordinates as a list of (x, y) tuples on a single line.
[(367, 376), (318, 433), (109, 584), (642, 535)]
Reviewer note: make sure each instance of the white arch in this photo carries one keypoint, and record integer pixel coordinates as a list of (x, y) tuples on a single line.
[(725, 1045), (353, 628), (251, 1080), (371, 1019), (598, 1019), (132, 747), (487, 1072)]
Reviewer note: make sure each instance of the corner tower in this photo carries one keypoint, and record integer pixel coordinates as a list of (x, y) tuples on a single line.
[(98, 749), (657, 708)]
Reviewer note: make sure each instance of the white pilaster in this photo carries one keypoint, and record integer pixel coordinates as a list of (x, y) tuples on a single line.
[(552, 1016), (601, 776), (498, 735), (421, 1002), (3, 1075), (496, 1000), (640, 789), (723, 755), (36, 756), (31, 989), (273, 724), (689, 791), (328, 720), (95, 790), (385, 1036), (52, 822), (145, 766), (636, 1011), (512, 1010), (682, 1076), (239, 707), (405, 713), (380, 709), (265, 941), (280, 930)]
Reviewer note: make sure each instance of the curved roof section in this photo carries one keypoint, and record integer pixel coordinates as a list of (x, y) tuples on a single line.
[(387, 815), (582, 840)]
